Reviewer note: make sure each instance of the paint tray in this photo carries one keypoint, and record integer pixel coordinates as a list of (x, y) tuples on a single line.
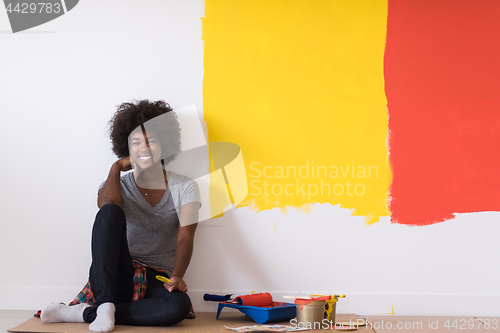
[(277, 311)]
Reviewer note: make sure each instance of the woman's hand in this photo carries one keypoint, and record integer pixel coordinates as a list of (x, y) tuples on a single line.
[(111, 193), (177, 284), (124, 164)]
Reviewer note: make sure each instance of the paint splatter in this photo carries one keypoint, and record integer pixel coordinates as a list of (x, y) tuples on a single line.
[(442, 76), (299, 86)]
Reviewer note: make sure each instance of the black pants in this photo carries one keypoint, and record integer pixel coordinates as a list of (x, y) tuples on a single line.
[(111, 278)]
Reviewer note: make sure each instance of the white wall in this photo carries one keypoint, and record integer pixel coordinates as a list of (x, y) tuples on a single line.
[(59, 85)]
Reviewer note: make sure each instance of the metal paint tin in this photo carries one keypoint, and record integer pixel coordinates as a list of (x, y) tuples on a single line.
[(310, 313)]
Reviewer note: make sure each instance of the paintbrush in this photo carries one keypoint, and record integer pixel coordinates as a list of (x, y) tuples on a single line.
[(163, 279)]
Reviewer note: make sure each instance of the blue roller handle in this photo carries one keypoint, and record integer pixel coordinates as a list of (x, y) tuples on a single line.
[(217, 298)]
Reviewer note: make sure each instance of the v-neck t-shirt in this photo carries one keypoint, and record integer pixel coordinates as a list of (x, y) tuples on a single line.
[(152, 230)]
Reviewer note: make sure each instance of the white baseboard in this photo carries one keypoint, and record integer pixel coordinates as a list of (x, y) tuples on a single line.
[(30, 298)]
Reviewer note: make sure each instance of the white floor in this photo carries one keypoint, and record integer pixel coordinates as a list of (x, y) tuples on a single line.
[(12, 318)]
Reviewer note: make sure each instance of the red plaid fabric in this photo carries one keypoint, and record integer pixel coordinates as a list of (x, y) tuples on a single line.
[(140, 285)]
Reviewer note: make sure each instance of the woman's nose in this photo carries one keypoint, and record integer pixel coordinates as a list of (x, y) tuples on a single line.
[(145, 148)]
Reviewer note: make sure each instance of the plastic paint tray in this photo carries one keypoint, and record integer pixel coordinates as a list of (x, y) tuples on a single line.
[(278, 311)]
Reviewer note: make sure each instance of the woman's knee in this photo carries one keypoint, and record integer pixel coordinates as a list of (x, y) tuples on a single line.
[(177, 306), (110, 215), (111, 210)]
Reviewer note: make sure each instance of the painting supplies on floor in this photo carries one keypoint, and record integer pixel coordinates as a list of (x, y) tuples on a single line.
[(260, 299), (315, 309), (260, 307), (219, 298)]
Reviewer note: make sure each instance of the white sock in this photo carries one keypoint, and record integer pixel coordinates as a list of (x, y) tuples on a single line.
[(60, 313), (105, 320)]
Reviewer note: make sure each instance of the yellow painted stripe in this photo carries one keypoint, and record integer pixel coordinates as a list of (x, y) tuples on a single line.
[(299, 86)]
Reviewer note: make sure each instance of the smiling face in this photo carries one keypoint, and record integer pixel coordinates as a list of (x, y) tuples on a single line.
[(144, 152)]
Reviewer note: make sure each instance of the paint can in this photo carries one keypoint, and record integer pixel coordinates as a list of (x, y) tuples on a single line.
[(331, 309), (310, 313)]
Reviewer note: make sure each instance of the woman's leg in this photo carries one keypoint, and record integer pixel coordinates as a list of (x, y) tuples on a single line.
[(159, 307), (111, 274)]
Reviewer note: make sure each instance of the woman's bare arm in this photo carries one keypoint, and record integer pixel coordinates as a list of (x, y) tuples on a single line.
[(111, 191), (185, 237)]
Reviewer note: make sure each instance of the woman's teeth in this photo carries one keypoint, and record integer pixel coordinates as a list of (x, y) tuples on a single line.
[(143, 158)]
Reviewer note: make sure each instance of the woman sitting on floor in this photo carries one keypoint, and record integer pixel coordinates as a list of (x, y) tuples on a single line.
[(145, 227)]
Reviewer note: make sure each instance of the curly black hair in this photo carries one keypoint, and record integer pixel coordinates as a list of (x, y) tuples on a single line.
[(131, 116)]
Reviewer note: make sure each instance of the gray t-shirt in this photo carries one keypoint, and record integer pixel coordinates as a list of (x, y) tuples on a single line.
[(152, 231)]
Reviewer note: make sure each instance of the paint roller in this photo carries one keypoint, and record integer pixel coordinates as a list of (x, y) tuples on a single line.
[(260, 299)]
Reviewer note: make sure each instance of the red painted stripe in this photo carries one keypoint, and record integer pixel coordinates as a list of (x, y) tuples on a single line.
[(442, 72)]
